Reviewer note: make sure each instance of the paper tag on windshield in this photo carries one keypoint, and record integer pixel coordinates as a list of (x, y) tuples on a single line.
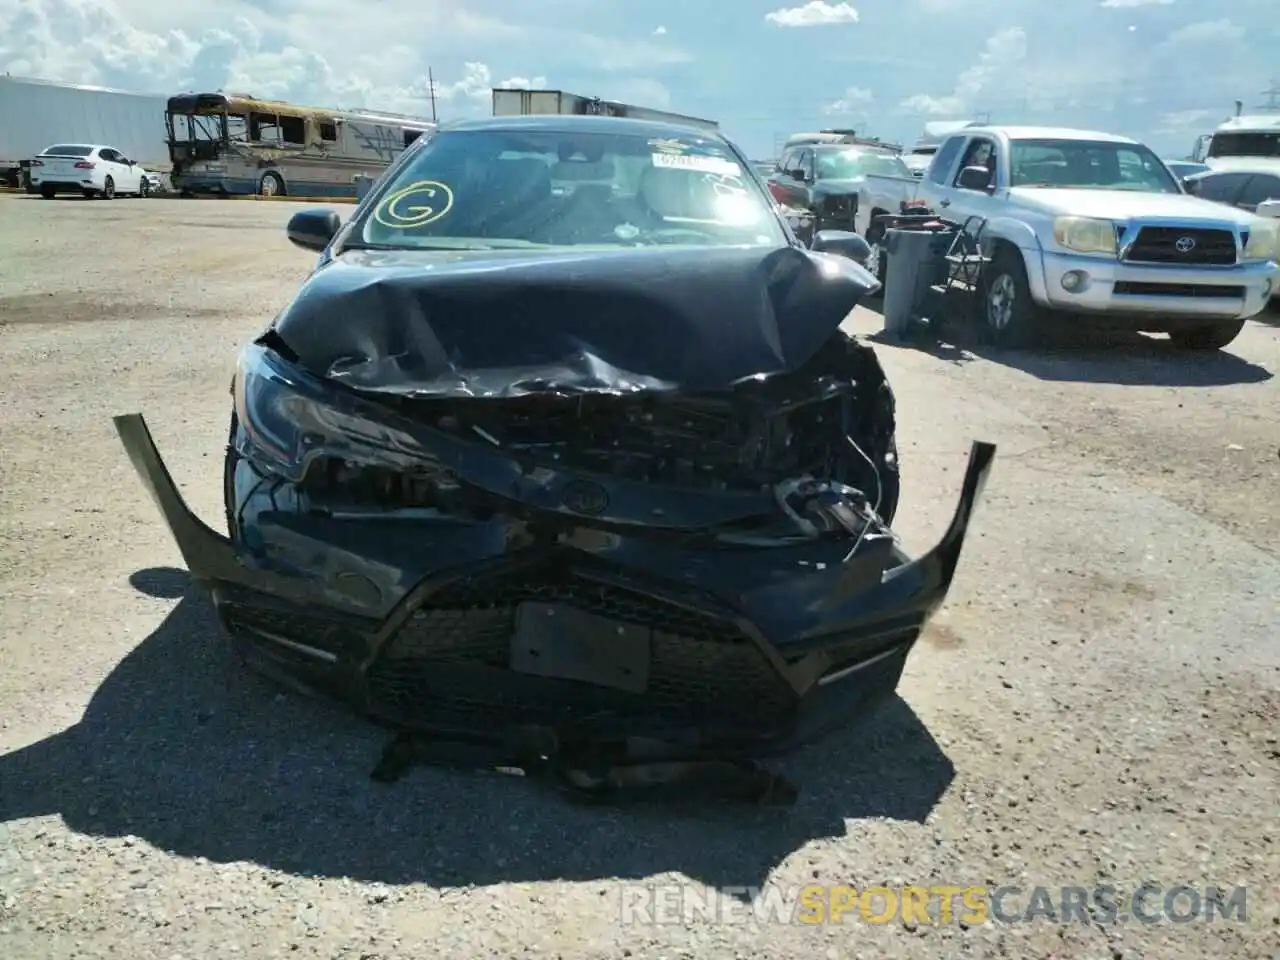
[(697, 164)]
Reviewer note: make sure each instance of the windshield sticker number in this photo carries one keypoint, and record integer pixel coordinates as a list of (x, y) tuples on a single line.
[(669, 146), (416, 205), (696, 164)]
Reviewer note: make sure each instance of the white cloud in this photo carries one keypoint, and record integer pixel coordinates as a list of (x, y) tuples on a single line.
[(1126, 4), (621, 56), (816, 13), (1002, 54), (659, 31), (477, 82), (852, 100), (640, 90), (1205, 32), (324, 52), (1180, 121)]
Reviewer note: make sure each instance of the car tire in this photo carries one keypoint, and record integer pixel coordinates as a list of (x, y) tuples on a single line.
[(271, 185), (1212, 337), (144, 190), (1009, 314), (48, 193), (108, 189)]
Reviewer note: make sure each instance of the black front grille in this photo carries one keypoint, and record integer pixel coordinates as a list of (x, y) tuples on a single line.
[(1184, 245), (449, 665), (1133, 289)]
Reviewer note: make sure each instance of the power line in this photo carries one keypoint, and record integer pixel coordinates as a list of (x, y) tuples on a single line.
[(1273, 97)]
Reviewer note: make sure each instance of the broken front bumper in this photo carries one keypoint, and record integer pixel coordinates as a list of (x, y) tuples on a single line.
[(726, 653)]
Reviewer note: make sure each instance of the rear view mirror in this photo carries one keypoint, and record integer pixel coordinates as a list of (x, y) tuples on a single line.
[(844, 243), (974, 178), (313, 229), (1269, 208)]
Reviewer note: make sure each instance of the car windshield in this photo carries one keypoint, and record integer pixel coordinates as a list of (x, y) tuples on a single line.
[(1247, 144), (495, 188), (848, 164), (67, 150), (1088, 165)]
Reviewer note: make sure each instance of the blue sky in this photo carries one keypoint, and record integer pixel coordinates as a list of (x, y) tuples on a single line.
[(1161, 70)]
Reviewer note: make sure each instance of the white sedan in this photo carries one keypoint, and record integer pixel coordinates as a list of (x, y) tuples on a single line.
[(89, 169)]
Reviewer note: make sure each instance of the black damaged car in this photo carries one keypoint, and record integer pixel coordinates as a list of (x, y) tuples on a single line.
[(560, 461)]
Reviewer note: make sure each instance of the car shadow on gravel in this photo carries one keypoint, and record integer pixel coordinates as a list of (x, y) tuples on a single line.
[(1070, 352), (1080, 355), (184, 748)]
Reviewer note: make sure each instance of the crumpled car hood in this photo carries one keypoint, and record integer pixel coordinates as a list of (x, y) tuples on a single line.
[(503, 323)]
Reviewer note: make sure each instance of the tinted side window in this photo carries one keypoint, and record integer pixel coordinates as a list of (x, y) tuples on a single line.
[(806, 163), (786, 162), (1261, 188), (944, 158), (1222, 187), (980, 153)]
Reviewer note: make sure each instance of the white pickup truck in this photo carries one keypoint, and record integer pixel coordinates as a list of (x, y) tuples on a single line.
[(1090, 223)]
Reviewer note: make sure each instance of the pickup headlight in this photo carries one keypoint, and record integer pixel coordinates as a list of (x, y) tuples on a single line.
[(1264, 240), (1085, 234)]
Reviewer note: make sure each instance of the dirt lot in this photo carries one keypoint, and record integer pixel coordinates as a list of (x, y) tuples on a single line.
[(1099, 703)]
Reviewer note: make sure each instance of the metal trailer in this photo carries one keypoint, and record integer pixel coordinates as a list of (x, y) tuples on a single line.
[(37, 113), (520, 103)]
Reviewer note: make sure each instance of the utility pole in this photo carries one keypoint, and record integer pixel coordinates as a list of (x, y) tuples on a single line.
[(1273, 97), (431, 92)]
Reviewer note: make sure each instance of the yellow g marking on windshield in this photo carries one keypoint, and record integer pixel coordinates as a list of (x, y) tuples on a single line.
[(416, 205)]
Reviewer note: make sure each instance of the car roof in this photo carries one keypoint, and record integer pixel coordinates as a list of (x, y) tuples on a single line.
[(79, 146), (846, 147), (574, 123), (1045, 133), (1259, 171)]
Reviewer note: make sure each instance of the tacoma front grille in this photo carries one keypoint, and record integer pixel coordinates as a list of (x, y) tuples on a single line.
[(1198, 246), (450, 663), (1135, 289)]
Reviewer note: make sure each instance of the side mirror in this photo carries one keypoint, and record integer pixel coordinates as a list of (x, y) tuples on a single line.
[(975, 178), (798, 173), (313, 229), (1269, 208), (844, 243)]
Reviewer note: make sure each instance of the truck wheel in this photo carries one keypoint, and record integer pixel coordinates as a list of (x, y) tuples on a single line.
[(1009, 314), (1213, 337), (271, 185)]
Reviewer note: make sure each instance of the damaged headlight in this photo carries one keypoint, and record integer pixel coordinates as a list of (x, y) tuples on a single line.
[(275, 406), (1264, 240), (1085, 235), (290, 418)]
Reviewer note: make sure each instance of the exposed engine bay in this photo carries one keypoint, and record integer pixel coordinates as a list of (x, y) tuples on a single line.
[(833, 421)]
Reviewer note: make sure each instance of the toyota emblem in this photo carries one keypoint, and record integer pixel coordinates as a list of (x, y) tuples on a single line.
[(581, 496), (1185, 244)]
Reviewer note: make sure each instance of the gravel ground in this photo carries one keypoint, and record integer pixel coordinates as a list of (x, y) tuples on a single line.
[(1097, 704)]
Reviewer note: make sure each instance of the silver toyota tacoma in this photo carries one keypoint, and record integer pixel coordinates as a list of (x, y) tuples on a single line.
[(1090, 224)]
